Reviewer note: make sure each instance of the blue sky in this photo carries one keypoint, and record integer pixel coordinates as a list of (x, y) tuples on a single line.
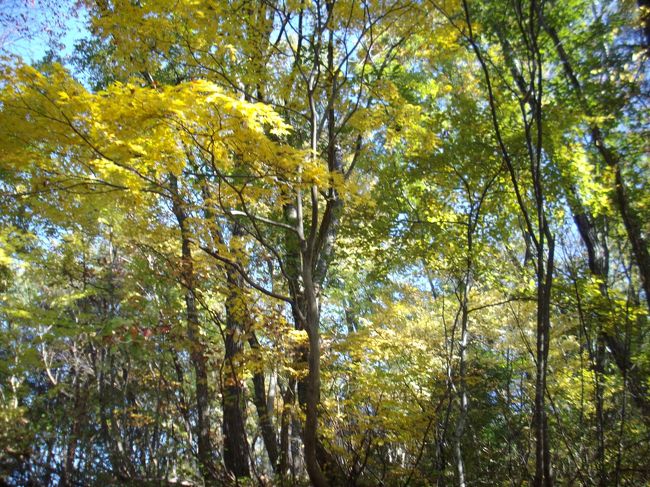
[(29, 28)]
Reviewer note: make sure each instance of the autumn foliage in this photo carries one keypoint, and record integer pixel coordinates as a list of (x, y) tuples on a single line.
[(327, 242)]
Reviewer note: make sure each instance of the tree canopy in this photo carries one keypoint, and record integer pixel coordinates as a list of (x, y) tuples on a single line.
[(326, 242)]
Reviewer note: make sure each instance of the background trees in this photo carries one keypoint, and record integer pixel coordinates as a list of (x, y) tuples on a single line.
[(328, 242)]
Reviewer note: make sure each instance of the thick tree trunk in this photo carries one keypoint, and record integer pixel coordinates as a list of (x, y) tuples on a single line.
[(236, 451), (631, 222), (235, 443), (199, 362), (197, 356)]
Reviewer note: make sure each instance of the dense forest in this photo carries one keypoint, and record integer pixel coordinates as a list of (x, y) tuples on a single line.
[(326, 242)]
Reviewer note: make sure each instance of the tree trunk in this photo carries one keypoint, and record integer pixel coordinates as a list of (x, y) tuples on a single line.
[(235, 442), (462, 389), (543, 474), (288, 399), (264, 412), (312, 396), (75, 431), (197, 356)]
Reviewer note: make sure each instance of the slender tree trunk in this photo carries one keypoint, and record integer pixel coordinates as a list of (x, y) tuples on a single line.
[(120, 464), (441, 456), (599, 369), (543, 473), (312, 396), (264, 412), (288, 399), (77, 418), (462, 395), (461, 391), (183, 403)]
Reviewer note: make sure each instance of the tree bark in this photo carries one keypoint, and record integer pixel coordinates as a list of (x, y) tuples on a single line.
[(543, 474), (312, 396), (197, 356), (288, 399), (79, 412), (264, 412), (235, 443)]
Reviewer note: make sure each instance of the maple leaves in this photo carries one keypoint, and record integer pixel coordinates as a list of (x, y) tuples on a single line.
[(131, 136)]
